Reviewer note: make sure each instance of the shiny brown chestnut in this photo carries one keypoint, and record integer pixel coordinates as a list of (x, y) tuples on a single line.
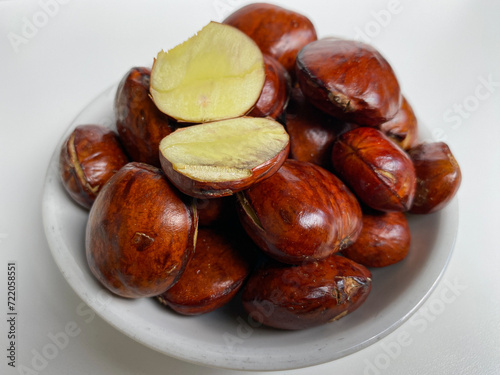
[(278, 32), (308, 295), (350, 80), (215, 211), (379, 172), (216, 272), (384, 240), (89, 157), (276, 91), (302, 213), (312, 132), (140, 124), (140, 233), (438, 177), (403, 128)]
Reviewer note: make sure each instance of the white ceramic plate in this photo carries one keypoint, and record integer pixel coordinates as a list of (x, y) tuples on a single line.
[(226, 338)]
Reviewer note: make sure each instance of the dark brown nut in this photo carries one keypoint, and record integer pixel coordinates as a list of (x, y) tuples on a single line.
[(89, 157), (384, 240), (276, 91), (140, 124), (349, 80), (438, 177), (278, 32), (140, 233), (379, 172), (312, 132), (403, 128), (215, 211), (300, 214), (214, 274), (308, 295)]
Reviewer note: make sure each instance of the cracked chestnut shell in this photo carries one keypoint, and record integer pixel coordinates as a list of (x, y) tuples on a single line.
[(89, 157), (308, 295), (350, 80), (438, 177), (278, 32), (379, 172), (216, 272), (384, 240), (140, 233), (276, 91), (140, 124), (302, 213)]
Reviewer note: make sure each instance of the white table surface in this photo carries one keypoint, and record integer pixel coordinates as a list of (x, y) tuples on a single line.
[(444, 53)]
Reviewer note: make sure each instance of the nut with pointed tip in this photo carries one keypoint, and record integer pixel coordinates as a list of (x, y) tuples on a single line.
[(307, 295), (89, 157)]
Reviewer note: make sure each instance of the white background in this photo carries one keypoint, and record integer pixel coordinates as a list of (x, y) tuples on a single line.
[(443, 53)]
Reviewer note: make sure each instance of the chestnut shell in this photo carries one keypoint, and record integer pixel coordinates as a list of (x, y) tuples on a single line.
[(140, 233), (89, 157)]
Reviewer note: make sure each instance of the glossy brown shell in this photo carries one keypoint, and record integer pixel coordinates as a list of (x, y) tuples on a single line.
[(214, 274), (349, 80), (278, 32), (312, 132), (308, 295), (140, 124), (438, 177), (302, 213), (403, 128), (276, 91), (384, 240), (140, 233), (89, 157), (379, 172)]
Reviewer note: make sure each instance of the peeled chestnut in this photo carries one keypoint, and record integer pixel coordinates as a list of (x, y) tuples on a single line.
[(349, 80), (278, 32), (276, 91), (213, 276), (308, 295), (89, 157), (140, 124), (312, 132), (438, 177), (140, 233), (384, 240), (403, 128), (302, 213), (379, 172)]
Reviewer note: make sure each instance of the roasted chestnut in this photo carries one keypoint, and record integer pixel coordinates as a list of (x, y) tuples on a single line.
[(350, 80), (379, 172), (307, 295), (384, 240), (438, 177), (89, 157), (140, 232), (215, 273), (312, 132), (278, 32), (403, 128), (140, 124), (276, 91), (301, 213)]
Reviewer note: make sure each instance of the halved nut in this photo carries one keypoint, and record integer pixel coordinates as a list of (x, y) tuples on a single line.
[(223, 157), (216, 74)]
